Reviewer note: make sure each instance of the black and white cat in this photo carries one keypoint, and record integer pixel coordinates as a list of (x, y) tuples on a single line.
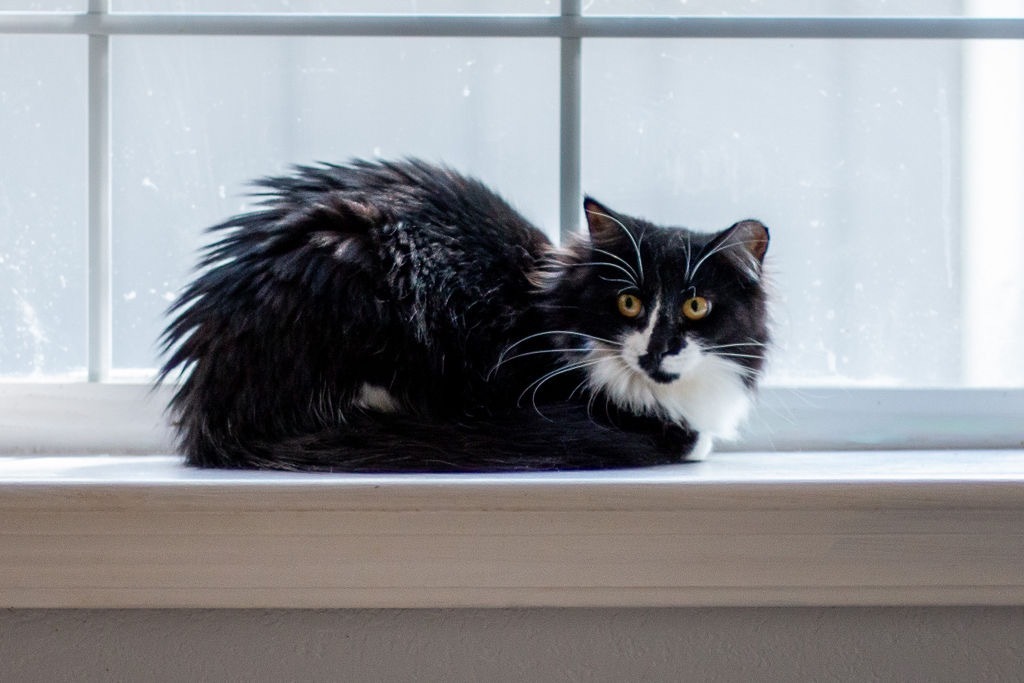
[(402, 317)]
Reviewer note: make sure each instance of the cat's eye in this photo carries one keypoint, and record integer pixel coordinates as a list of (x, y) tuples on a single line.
[(696, 307), (630, 305)]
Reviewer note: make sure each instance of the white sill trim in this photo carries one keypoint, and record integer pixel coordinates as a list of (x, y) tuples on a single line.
[(850, 528)]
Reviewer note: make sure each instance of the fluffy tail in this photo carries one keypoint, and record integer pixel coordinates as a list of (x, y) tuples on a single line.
[(563, 438)]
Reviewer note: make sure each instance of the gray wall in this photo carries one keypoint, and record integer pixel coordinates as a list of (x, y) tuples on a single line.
[(933, 644)]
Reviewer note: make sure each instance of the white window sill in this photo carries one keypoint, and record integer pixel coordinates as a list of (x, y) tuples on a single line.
[(840, 528)]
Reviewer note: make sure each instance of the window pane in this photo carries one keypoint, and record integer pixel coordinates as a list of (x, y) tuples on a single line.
[(891, 186), (43, 6), (42, 205), (820, 8), (341, 6), (195, 118)]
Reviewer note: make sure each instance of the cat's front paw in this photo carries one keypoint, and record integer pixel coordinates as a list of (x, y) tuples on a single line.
[(691, 446), (701, 449), (678, 439)]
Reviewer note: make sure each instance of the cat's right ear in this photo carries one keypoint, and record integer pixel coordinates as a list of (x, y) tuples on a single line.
[(602, 222)]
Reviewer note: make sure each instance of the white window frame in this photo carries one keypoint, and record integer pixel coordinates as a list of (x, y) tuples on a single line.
[(871, 526)]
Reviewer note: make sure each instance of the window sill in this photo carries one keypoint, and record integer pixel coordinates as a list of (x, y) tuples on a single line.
[(851, 528)]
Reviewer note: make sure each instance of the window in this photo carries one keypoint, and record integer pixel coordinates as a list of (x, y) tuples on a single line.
[(881, 140)]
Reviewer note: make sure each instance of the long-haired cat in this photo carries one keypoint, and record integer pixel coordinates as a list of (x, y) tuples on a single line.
[(402, 317)]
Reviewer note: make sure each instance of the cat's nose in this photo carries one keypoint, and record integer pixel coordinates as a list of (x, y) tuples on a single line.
[(661, 345), (650, 362)]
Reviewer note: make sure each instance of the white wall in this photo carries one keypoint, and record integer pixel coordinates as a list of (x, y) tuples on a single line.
[(933, 644)]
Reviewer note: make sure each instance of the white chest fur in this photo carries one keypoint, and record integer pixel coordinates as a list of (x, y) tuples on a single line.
[(709, 393)]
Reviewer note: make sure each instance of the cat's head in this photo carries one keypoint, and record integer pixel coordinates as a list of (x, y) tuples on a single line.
[(667, 321)]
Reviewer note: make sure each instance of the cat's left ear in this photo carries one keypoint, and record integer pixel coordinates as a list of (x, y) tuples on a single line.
[(745, 244), (605, 227), (753, 235)]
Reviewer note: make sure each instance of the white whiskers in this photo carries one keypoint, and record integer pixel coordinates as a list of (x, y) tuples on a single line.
[(504, 357), (721, 247), (537, 383), (629, 283), (636, 245), (608, 264), (533, 353), (689, 260), (636, 278), (728, 346)]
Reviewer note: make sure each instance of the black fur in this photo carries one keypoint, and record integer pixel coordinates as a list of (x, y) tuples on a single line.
[(420, 282)]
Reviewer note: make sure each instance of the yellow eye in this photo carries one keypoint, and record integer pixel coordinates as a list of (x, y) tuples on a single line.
[(695, 308), (630, 305)]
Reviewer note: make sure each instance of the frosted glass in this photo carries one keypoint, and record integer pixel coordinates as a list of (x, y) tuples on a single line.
[(43, 6), (888, 170), (42, 205), (196, 118), (853, 152)]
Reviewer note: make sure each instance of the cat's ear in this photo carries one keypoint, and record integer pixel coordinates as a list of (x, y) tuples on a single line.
[(753, 235), (749, 235), (605, 227), (745, 244)]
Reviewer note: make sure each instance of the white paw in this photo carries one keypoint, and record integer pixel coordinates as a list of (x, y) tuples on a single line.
[(701, 449)]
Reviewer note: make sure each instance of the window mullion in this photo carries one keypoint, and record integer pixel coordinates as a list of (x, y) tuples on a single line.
[(99, 250), (570, 121)]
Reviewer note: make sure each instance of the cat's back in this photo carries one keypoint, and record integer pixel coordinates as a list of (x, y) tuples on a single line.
[(449, 253), (411, 201), (349, 278)]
